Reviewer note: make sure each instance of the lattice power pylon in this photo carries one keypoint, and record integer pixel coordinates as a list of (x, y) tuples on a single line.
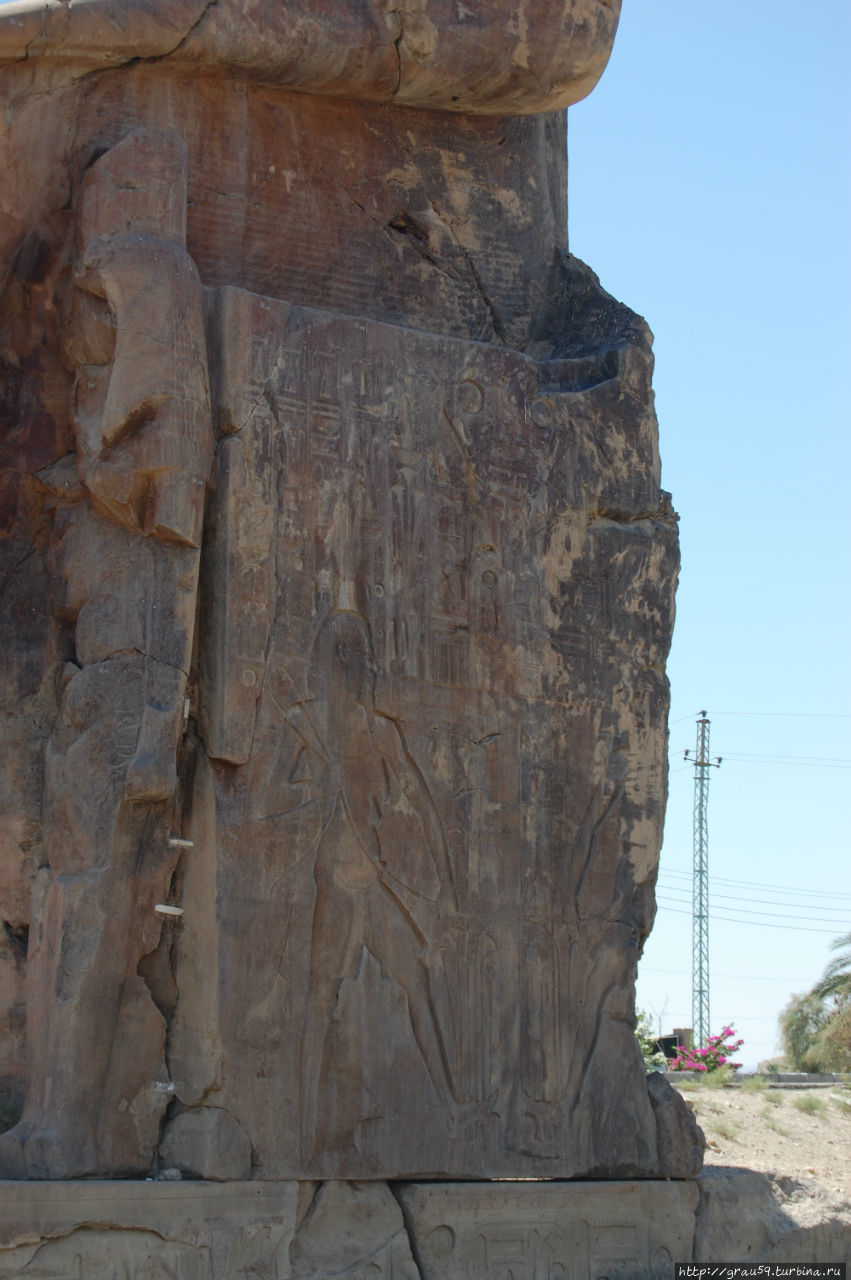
[(700, 884)]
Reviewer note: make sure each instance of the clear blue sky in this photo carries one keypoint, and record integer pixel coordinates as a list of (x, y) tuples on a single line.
[(709, 189)]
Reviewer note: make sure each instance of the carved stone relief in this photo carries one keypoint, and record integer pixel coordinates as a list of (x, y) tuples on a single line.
[(128, 517), (404, 528), (149, 1231), (535, 1232)]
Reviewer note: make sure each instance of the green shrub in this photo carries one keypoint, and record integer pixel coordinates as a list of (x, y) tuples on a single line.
[(754, 1084), (654, 1059), (809, 1104)]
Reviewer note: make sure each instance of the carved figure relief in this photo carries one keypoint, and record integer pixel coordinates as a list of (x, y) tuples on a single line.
[(435, 861), (380, 856), (126, 556)]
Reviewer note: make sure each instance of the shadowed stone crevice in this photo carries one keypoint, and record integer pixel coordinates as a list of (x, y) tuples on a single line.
[(17, 933), (191, 31)]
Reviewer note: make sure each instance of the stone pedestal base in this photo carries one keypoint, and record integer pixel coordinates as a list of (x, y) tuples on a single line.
[(409, 1231), (580, 1231)]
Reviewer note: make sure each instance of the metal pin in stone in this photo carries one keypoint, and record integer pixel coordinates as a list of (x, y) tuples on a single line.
[(179, 843), (166, 910)]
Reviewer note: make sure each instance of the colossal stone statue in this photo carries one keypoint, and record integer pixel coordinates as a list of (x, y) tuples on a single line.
[(339, 585), (128, 519)]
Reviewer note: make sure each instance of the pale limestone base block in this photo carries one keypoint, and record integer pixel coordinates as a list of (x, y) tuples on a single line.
[(346, 1230), (202, 1231), (550, 1230), (147, 1230)]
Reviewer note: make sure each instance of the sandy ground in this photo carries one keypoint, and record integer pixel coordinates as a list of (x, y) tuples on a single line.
[(801, 1132)]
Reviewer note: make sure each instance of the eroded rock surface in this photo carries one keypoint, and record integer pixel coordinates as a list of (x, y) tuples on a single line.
[(414, 1231), (746, 1216), (480, 57), (337, 702), (679, 1138)]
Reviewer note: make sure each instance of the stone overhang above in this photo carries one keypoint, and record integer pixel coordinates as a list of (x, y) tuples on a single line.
[(491, 57)]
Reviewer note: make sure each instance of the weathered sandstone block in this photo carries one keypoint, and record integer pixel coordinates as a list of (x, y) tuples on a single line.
[(745, 1216), (426, 1231), (484, 1230), (338, 745), (206, 1142), (149, 1230), (360, 1231), (680, 1140)]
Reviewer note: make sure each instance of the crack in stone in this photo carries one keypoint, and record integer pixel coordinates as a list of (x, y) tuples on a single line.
[(13, 569), (42, 34), (496, 319), (397, 45), (339, 182), (388, 229), (427, 255), (211, 4), (416, 1256), (586, 1061)]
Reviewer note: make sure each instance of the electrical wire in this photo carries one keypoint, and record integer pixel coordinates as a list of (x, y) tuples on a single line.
[(746, 913), (744, 977), (845, 912), (788, 715), (757, 884), (757, 924)]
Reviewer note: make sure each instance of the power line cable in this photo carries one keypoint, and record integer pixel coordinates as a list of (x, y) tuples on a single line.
[(798, 762), (761, 884), (765, 755), (791, 715), (744, 977), (746, 913), (763, 902), (757, 924), (774, 760)]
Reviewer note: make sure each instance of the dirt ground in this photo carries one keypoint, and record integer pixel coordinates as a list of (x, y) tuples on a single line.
[(802, 1132)]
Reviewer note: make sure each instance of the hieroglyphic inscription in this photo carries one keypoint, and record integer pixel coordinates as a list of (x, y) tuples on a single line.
[(111, 1255), (157, 1230), (590, 1231)]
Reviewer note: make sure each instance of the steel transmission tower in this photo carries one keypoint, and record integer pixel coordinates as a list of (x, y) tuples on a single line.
[(700, 884)]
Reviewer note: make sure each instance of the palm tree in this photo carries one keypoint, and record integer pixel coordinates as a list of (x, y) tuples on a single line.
[(836, 979)]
